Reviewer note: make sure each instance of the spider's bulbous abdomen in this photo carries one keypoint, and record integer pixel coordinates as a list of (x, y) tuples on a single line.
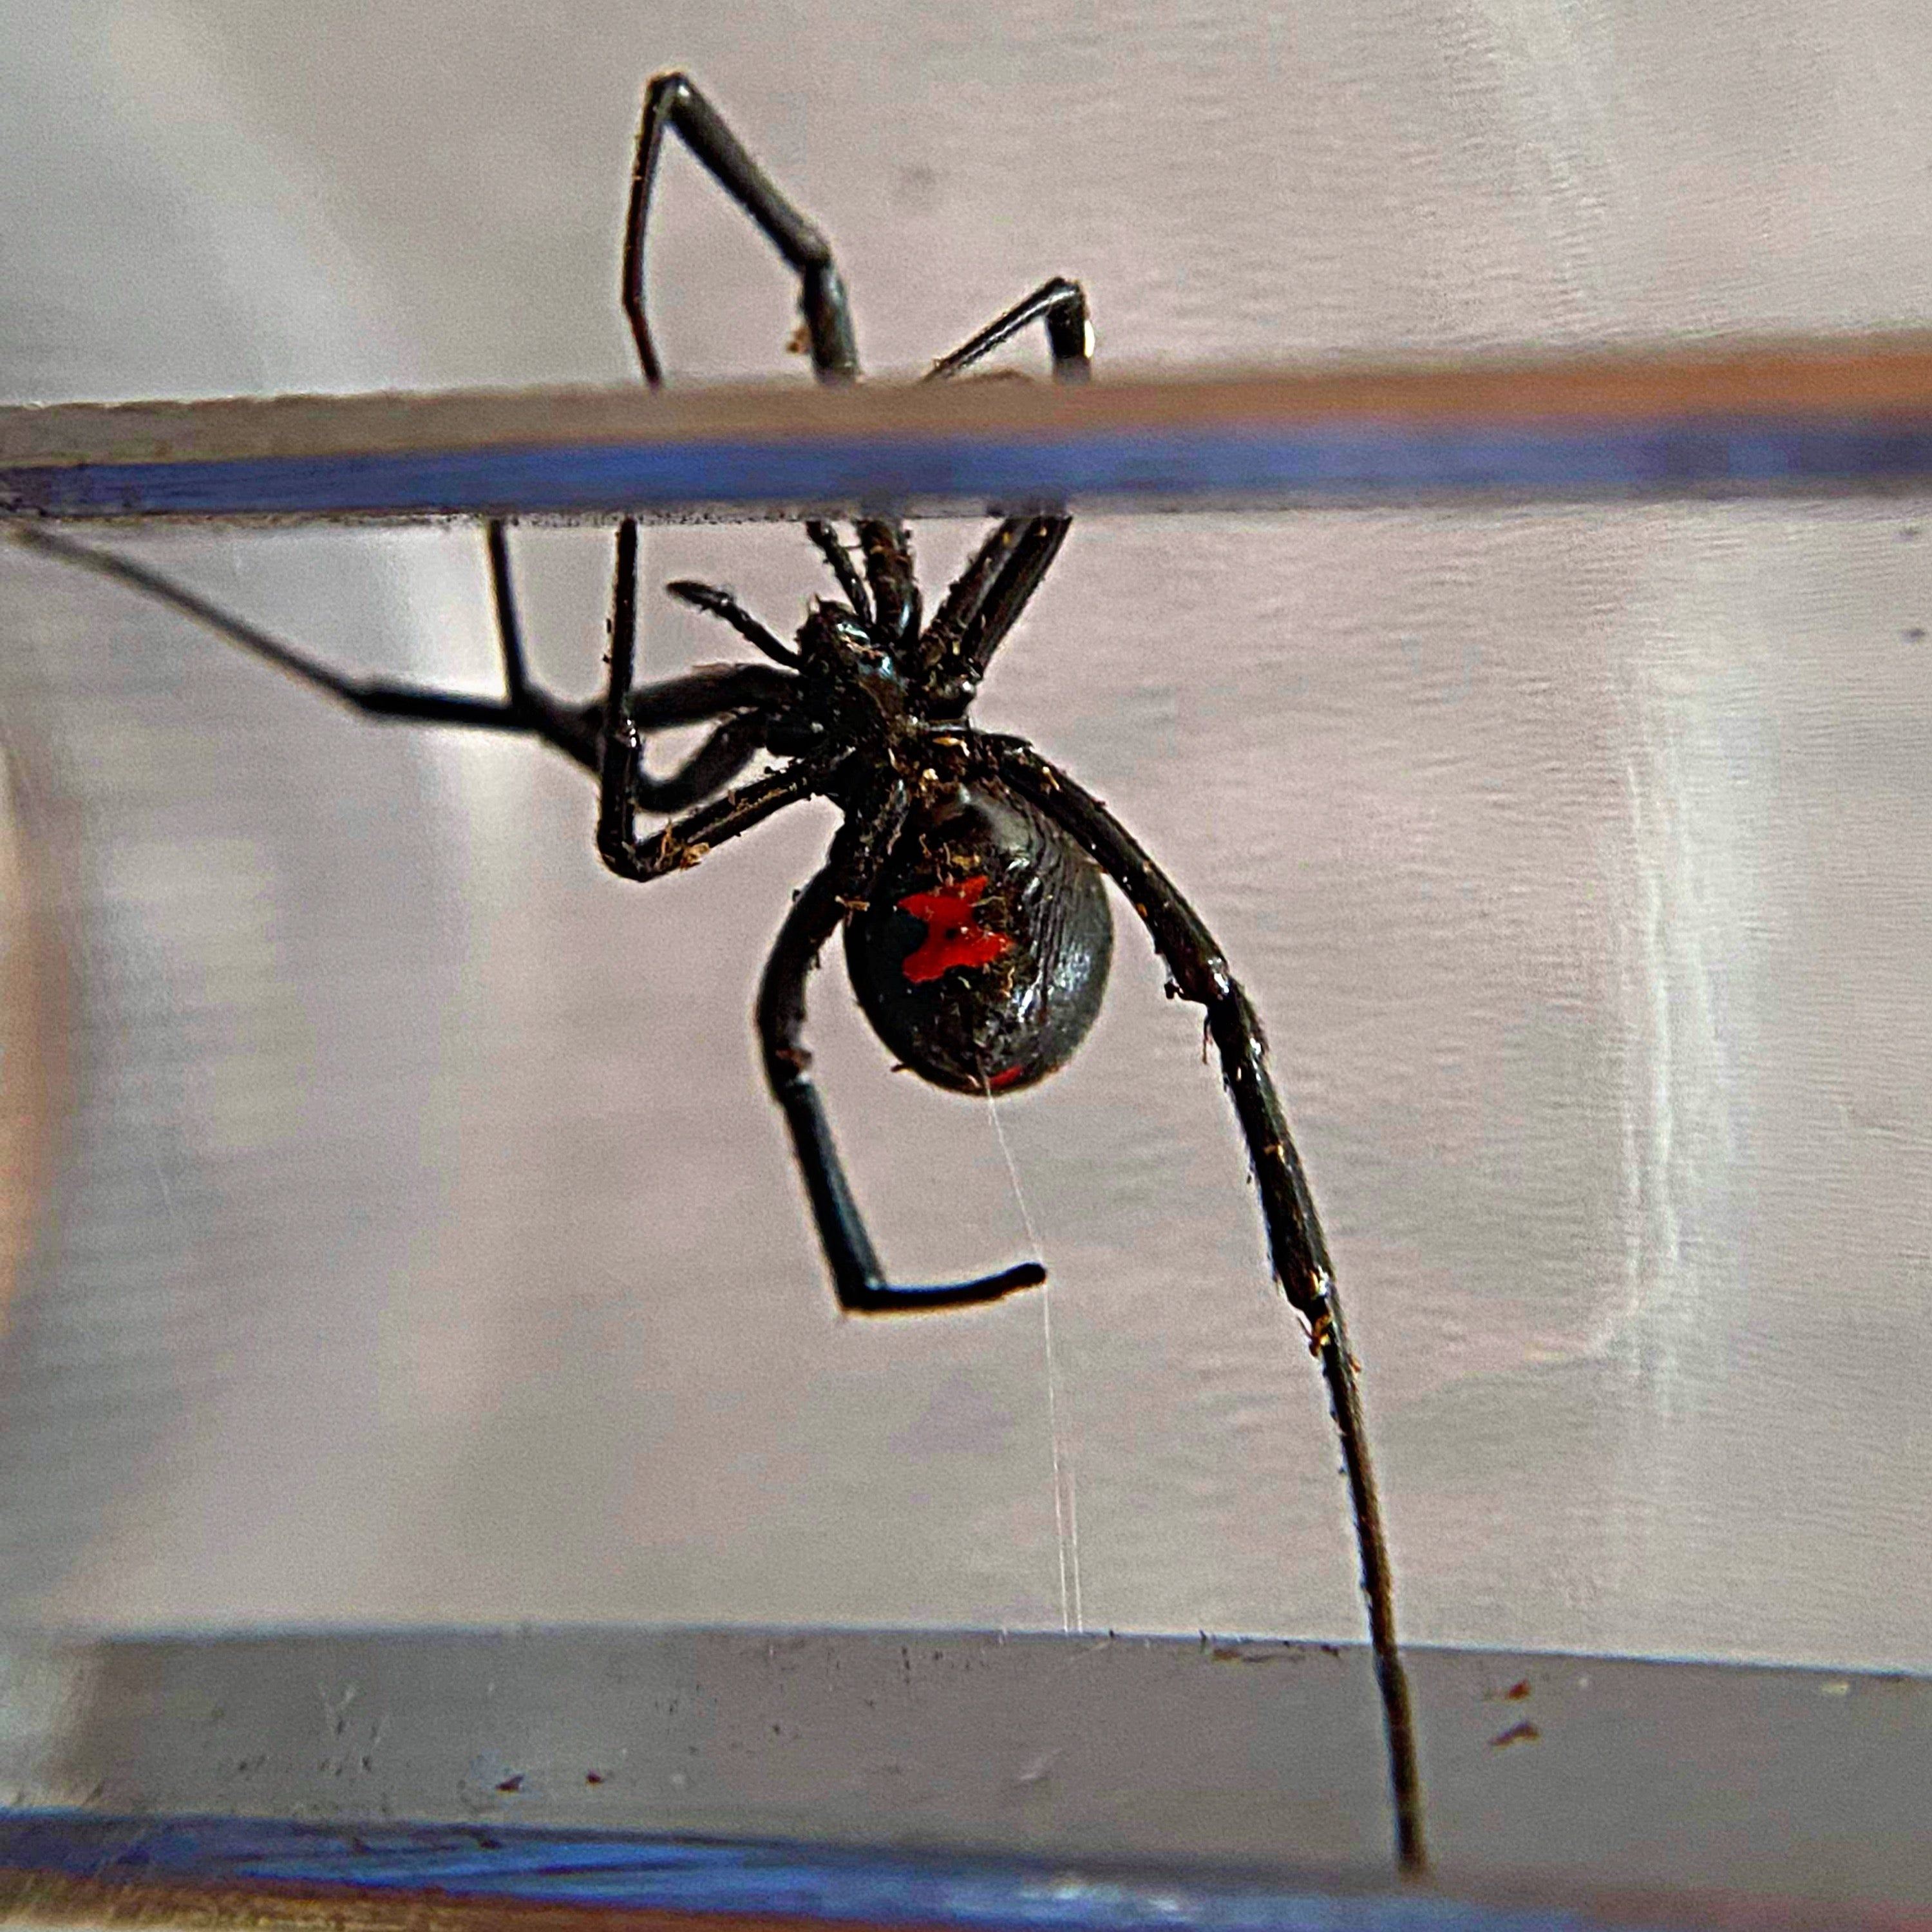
[(981, 958)]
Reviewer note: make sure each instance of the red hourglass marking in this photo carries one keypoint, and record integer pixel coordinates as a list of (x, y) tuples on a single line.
[(952, 938)]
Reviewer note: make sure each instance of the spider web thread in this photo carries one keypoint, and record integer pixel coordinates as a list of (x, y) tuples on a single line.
[(1066, 1522)]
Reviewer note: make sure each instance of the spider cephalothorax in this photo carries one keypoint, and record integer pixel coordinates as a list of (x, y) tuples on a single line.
[(967, 875)]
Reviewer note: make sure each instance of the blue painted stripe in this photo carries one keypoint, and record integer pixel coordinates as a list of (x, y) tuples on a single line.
[(536, 1866), (1344, 463)]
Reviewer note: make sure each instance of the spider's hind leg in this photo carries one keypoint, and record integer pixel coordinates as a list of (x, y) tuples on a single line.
[(1296, 1246), (857, 1277)]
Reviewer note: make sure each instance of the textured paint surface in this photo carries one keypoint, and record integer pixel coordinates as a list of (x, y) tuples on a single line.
[(1580, 862)]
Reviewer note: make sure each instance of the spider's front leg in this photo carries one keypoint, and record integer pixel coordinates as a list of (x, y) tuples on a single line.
[(672, 102), (857, 1277), (986, 598)]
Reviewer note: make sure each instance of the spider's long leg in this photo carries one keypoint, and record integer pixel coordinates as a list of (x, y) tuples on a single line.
[(574, 730), (834, 553), (714, 763), (684, 842), (509, 627), (987, 597), (857, 1277), (699, 696), (717, 603), (375, 697), (738, 694), (1061, 305), (1299, 1252), (671, 101), (622, 787), (743, 695), (1036, 544)]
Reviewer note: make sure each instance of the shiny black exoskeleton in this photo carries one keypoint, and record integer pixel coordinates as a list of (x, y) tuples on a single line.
[(967, 872), (981, 955)]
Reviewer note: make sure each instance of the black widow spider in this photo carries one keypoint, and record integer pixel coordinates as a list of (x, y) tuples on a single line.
[(967, 873)]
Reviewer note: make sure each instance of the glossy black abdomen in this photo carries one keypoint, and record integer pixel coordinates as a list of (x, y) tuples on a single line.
[(981, 960)]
